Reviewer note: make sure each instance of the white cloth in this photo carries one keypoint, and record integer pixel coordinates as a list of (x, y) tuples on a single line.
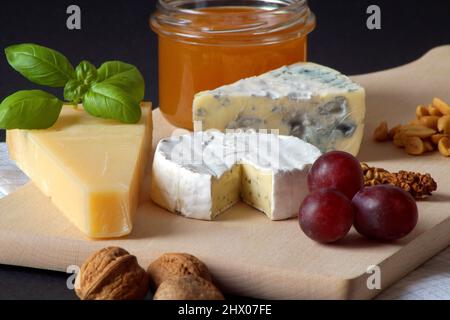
[(10, 176), (430, 281)]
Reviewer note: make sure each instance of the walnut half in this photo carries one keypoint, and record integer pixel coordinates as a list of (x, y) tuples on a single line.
[(112, 274)]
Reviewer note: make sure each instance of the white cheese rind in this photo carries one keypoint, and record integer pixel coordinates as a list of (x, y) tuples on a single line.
[(306, 100), (203, 181)]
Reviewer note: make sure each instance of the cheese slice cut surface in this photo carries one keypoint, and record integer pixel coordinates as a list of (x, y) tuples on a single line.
[(306, 100), (91, 168), (200, 175)]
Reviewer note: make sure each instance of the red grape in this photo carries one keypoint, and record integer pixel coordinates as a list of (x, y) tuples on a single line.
[(336, 170), (326, 215), (384, 212)]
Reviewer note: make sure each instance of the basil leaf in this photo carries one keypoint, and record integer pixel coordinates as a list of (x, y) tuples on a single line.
[(110, 102), (86, 75), (40, 65), (86, 72), (123, 75), (29, 109), (75, 90)]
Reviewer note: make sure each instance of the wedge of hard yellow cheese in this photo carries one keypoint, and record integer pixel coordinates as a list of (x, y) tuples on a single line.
[(90, 168)]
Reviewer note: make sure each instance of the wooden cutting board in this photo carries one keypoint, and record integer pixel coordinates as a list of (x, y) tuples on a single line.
[(248, 254)]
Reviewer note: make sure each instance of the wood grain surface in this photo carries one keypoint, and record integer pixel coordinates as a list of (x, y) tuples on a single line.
[(248, 254)]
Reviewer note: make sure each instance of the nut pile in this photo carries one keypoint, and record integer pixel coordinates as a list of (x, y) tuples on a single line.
[(114, 274), (428, 132), (418, 185)]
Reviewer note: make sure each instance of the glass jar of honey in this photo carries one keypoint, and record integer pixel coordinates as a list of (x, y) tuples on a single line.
[(209, 43)]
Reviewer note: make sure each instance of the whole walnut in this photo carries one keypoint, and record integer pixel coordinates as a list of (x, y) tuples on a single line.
[(112, 274), (172, 265), (188, 287)]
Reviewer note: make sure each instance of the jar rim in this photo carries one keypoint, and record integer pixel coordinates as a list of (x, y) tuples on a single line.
[(178, 19), (176, 5)]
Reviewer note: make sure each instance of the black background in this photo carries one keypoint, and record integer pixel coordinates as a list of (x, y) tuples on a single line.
[(119, 30)]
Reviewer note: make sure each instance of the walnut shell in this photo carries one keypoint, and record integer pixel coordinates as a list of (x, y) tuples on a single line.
[(188, 287), (112, 274), (172, 265)]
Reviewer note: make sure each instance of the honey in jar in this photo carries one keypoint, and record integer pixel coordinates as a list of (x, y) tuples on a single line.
[(206, 44)]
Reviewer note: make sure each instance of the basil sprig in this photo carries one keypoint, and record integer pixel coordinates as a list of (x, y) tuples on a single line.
[(114, 91)]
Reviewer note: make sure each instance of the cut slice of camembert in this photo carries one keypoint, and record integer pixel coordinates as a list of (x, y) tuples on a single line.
[(306, 100), (202, 174), (90, 168)]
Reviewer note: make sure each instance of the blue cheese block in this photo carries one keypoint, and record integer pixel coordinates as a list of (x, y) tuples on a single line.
[(305, 100)]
